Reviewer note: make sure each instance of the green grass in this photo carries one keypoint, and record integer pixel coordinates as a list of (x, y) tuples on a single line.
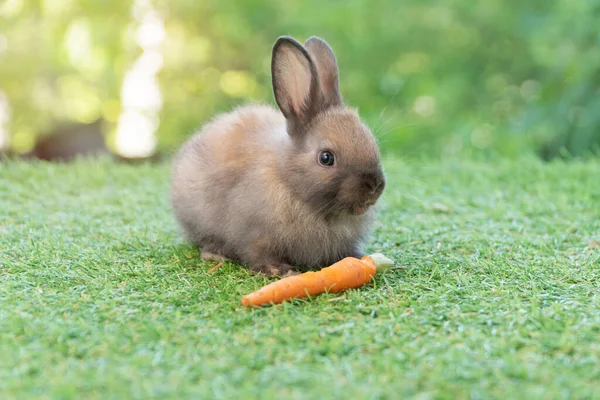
[(101, 298)]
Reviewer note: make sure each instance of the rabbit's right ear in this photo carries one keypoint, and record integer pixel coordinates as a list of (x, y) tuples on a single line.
[(327, 67), (295, 81)]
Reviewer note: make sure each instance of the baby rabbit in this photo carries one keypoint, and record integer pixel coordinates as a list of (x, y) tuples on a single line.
[(282, 191)]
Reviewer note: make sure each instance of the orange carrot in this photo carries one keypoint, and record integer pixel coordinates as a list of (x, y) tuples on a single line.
[(344, 274)]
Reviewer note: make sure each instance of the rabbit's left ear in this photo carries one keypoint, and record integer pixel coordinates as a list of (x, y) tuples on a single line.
[(295, 81), (327, 69)]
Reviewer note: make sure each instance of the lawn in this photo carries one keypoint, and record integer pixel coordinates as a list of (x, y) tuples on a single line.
[(497, 297)]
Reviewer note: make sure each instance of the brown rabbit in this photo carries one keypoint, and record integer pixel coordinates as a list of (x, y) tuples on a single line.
[(282, 191)]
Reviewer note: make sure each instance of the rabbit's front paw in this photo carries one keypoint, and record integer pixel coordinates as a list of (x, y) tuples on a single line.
[(274, 269)]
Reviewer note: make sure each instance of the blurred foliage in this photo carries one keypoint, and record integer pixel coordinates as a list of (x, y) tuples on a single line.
[(451, 77)]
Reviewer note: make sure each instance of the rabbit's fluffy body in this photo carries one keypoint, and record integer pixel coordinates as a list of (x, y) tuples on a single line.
[(251, 187)]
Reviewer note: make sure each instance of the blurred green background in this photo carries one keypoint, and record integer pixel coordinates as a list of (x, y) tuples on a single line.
[(442, 78)]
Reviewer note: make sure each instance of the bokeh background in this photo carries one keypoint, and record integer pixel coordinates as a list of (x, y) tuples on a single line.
[(438, 77)]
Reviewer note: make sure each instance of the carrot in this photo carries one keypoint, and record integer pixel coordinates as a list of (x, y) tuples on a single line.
[(345, 274)]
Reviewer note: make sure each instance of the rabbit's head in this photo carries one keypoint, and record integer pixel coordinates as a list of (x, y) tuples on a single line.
[(332, 161)]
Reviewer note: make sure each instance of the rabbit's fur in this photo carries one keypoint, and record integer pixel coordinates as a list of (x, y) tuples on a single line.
[(252, 187)]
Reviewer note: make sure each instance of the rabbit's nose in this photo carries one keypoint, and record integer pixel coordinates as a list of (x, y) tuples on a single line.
[(373, 182)]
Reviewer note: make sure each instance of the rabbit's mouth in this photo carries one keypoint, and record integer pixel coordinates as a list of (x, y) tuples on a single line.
[(362, 209)]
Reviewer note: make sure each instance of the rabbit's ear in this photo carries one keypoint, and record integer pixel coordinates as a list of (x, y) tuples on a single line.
[(327, 68), (295, 81)]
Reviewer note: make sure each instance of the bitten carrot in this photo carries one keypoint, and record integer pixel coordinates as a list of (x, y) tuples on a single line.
[(345, 274)]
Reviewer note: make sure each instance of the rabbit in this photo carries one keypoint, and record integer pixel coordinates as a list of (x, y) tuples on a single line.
[(282, 191)]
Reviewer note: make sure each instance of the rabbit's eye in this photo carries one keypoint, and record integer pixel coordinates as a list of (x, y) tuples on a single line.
[(326, 158)]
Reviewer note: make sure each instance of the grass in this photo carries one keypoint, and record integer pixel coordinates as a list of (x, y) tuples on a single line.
[(101, 298)]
